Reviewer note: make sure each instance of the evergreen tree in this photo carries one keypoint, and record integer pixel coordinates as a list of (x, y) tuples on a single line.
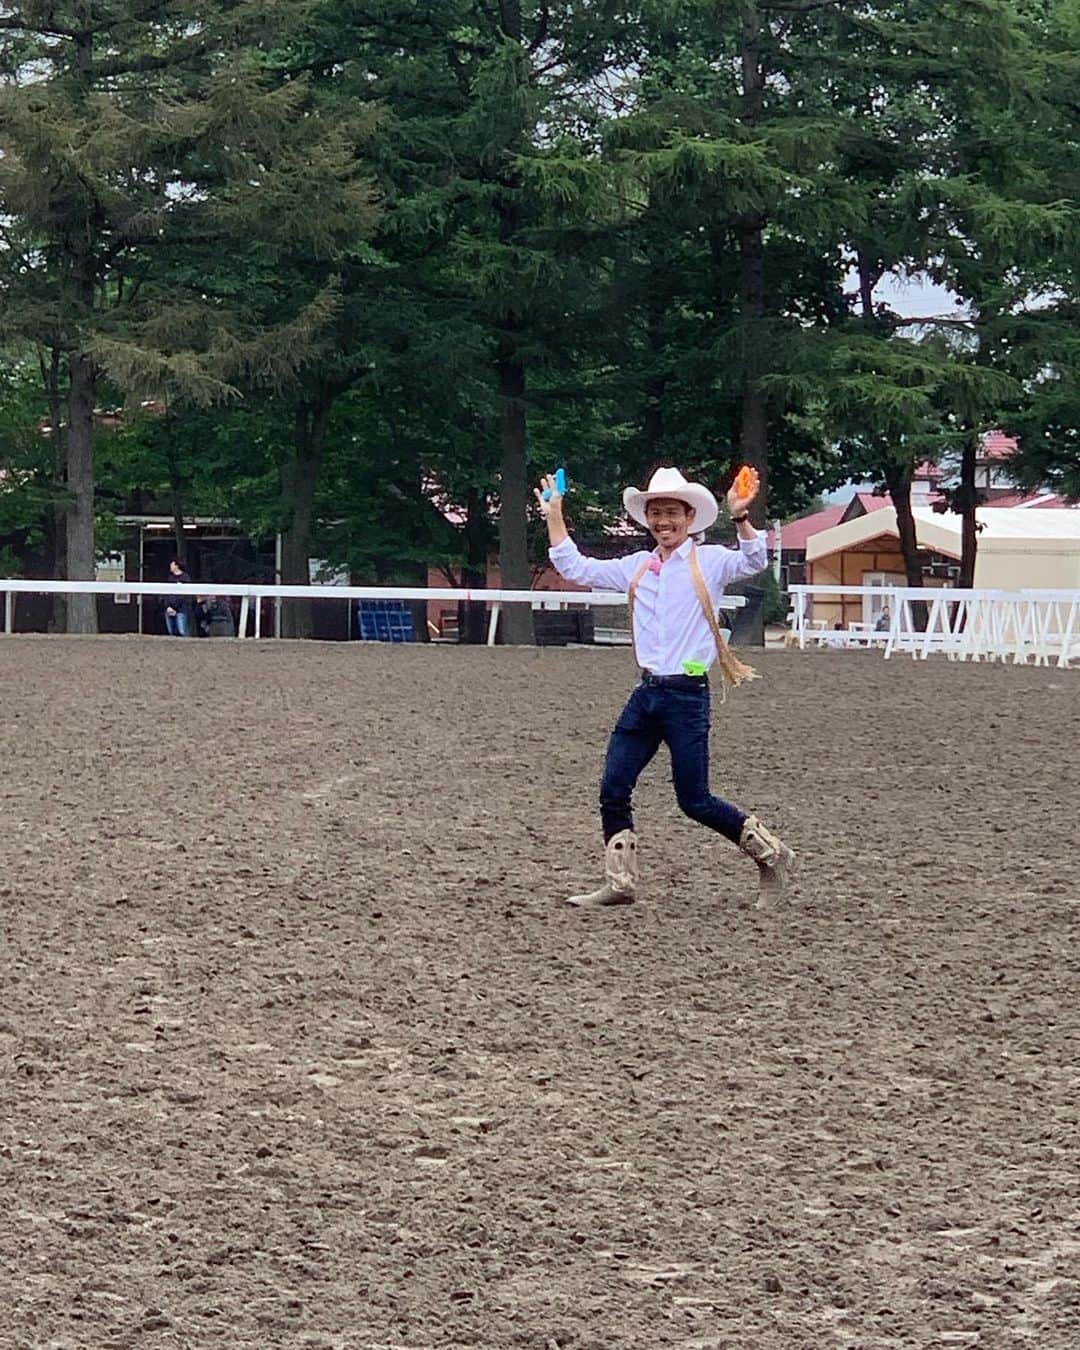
[(488, 214), (1000, 222), (126, 134), (1038, 334)]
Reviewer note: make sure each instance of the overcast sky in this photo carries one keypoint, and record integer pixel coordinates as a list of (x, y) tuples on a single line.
[(914, 297)]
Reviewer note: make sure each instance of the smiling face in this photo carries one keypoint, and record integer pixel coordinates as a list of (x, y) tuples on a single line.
[(670, 522)]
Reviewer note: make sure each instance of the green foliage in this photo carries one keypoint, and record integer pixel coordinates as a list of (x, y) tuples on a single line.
[(27, 492), (775, 604), (322, 235)]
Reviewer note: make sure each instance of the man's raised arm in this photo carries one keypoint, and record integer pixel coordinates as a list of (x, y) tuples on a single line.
[(602, 574)]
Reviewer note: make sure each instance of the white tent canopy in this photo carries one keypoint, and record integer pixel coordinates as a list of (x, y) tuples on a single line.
[(1018, 548)]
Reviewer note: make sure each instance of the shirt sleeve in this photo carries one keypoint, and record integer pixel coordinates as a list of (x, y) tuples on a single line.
[(602, 574), (724, 565)]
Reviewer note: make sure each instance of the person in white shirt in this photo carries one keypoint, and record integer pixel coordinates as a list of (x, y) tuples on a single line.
[(674, 591)]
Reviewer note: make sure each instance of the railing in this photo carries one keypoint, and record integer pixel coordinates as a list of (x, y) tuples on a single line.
[(496, 599), (1042, 626)]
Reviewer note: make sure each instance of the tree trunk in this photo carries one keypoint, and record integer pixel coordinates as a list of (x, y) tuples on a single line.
[(898, 473), (750, 231), (754, 444), (868, 279), (82, 380), (472, 614), (178, 528), (176, 493), (967, 500), (517, 620), (510, 19), (898, 481), (652, 423), (299, 481), (418, 609), (79, 531), (57, 521)]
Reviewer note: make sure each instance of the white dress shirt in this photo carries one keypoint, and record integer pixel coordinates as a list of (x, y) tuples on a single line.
[(669, 625)]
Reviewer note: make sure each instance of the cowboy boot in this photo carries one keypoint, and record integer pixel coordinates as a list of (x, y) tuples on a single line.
[(621, 871), (775, 861)]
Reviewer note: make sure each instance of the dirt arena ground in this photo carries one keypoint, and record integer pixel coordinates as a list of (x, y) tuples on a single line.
[(298, 1048)]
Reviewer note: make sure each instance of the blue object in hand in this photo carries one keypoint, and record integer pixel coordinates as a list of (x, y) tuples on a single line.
[(560, 485)]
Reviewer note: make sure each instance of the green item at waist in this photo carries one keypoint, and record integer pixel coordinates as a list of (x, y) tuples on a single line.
[(694, 667)]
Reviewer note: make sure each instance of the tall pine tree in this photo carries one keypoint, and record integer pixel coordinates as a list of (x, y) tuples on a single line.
[(129, 132)]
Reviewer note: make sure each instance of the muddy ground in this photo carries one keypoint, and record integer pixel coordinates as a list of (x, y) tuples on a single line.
[(298, 1048)]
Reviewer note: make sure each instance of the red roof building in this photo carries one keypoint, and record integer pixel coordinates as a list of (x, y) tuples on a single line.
[(795, 533), (865, 502), (996, 447), (1031, 501)]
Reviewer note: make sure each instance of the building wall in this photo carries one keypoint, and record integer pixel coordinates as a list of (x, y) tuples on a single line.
[(848, 569), (1019, 569)]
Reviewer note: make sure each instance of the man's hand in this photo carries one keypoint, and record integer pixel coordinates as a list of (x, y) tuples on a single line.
[(737, 504), (553, 505), (551, 510)]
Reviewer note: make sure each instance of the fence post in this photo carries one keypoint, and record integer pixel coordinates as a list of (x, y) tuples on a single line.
[(1068, 635), (241, 631), (9, 612)]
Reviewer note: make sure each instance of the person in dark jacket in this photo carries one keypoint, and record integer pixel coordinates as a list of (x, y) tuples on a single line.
[(178, 610)]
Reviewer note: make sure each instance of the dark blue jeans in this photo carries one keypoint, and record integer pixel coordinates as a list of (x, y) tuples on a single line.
[(678, 718)]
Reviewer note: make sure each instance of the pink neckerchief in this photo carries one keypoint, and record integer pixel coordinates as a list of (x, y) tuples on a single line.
[(655, 564)]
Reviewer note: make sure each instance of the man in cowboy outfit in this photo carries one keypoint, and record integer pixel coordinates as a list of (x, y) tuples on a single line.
[(674, 591)]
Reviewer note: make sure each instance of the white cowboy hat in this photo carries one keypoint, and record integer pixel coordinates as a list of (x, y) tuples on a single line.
[(670, 483)]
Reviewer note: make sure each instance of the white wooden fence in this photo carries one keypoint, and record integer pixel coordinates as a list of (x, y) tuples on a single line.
[(1041, 626), (495, 599)]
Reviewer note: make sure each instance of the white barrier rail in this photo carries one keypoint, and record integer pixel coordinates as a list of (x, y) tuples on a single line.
[(543, 600), (1042, 626)]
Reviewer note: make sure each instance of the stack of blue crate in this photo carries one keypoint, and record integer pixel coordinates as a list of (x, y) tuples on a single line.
[(384, 621)]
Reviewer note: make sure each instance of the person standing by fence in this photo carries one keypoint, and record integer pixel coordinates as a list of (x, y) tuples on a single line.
[(673, 595), (178, 609)]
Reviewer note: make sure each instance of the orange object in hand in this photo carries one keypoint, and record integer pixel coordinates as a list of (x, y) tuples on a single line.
[(744, 482)]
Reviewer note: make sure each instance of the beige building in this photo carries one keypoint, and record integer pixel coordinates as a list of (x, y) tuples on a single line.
[(1020, 548)]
